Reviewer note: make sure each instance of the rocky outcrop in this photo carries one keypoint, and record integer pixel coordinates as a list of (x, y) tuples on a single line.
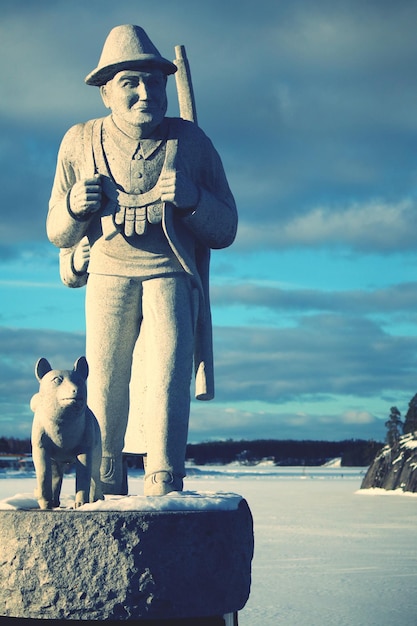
[(394, 467)]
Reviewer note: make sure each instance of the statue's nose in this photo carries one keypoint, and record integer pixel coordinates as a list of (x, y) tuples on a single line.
[(142, 91)]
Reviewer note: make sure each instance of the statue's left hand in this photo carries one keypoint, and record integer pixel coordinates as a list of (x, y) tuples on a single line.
[(81, 256), (179, 190)]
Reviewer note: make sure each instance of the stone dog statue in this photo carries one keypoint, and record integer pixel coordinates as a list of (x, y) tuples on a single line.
[(64, 430)]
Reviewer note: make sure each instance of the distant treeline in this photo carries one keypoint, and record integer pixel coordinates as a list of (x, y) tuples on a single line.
[(11, 445), (353, 452)]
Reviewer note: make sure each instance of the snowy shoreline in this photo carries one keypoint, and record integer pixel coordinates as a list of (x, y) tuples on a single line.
[(323, 554)]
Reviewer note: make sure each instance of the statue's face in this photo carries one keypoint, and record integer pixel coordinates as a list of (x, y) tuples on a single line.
[(137, 98)]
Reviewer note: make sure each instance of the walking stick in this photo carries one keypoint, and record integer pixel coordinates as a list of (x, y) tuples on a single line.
[(184, 86)]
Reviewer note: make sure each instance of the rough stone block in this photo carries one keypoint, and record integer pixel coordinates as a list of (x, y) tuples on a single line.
[(122, 565)]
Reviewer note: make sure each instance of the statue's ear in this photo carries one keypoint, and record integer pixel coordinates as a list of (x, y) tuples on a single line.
[(42, 367), (81, 367), (104, 96)]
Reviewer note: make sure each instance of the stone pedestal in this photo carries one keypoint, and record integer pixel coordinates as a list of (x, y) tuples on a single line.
[(123, 565)]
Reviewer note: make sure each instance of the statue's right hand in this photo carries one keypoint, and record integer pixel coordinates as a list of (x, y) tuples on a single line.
[(85, 196)]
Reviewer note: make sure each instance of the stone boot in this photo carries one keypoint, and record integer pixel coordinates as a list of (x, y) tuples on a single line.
[(161, 483), (113, 475)]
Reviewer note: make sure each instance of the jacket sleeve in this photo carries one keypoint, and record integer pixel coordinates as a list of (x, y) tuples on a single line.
[(69, 276), (63, 228), (214, 220)]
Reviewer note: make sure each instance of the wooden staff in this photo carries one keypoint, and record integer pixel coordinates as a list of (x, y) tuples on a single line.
[(184, 86)]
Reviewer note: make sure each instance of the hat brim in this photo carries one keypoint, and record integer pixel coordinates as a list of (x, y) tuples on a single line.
[(101, 75)]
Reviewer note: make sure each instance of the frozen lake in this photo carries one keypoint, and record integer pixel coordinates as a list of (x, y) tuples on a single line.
[(324, 554)]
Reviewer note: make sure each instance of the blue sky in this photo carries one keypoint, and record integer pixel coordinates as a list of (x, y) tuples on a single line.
[(312, 107)]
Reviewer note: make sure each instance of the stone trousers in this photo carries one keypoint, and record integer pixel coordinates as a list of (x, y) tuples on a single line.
[(155, 320)]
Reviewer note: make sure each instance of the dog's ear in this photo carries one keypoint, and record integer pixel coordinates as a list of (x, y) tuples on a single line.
[(81, 367), (42, 367)]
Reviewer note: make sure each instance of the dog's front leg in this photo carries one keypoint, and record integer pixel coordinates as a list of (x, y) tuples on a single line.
[(57, 476), (43, 469), (83, 479)]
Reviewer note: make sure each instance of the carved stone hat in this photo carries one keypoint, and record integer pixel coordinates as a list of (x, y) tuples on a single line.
[(127, 47)]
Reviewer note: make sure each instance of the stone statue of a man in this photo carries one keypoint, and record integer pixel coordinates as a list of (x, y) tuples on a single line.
[(151, 195)]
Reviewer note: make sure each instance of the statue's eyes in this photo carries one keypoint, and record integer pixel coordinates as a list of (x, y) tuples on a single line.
[(57, 380), (130, 83)]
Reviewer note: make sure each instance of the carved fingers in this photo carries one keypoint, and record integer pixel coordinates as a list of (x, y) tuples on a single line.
[(179, 190), (81, 256), (85, 196)]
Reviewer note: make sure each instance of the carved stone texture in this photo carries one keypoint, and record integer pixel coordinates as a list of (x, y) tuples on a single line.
[(112, 565), (394, 468), (150, 194)]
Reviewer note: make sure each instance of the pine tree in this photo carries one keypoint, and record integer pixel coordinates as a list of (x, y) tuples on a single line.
[(410, 422), (394, 427)]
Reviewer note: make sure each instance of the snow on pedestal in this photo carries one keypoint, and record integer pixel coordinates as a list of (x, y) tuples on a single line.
[(111, 561)]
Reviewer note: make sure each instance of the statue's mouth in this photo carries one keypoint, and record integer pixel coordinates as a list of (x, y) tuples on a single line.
[(144, 108), (73, 400)]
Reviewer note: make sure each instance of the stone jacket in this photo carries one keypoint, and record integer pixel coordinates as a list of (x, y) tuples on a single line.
[(212, 224)]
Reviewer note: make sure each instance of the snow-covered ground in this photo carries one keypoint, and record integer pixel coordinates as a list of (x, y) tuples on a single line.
[(325, 555)]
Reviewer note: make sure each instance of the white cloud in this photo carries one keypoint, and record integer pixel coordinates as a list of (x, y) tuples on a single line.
[(375, 226), (323, 355), (398, 298), (312, 108), (357, 417), (215, 421)]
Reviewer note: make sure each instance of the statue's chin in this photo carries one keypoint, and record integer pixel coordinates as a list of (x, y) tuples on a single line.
[(140, 122)]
